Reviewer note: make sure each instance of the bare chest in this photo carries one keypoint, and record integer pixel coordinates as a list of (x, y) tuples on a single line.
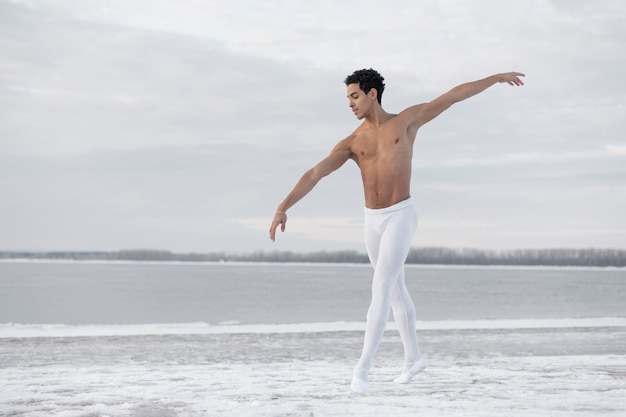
[(385, 144)]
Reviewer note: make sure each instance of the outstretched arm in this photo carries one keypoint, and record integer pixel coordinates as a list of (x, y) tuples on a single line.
[(424, 113), (337, 157)]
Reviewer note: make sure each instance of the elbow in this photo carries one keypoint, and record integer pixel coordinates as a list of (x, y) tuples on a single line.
[(313, 175), (458, 94)]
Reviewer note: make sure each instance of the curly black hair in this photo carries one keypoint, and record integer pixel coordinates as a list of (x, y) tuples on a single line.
[(367, 79)]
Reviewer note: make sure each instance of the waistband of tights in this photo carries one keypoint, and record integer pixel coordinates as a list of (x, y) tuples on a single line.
[(395, 207)]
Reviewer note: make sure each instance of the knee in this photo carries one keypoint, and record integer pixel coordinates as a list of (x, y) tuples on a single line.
[(377, 314), (381, 294)]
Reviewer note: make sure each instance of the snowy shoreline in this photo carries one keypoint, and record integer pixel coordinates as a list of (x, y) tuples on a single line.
[(18, 330), (566, 372)]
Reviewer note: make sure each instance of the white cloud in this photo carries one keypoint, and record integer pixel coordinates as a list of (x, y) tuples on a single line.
[(182, 124)]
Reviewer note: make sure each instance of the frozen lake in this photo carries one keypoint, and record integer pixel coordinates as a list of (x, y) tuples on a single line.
[(139, 293), (137, 340)]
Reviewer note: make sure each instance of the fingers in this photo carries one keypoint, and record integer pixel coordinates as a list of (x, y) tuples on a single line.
[(515, 78), (282, 221), (273, 231)]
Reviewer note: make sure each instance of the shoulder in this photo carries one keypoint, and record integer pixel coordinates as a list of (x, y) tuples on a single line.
[(345, 145), (412, 111), (358, 134), (413, 116)]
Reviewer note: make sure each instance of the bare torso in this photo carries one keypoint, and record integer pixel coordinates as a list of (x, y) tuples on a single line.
[(384, 155)]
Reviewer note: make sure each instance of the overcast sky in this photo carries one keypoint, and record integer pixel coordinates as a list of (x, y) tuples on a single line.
[(181, 125)]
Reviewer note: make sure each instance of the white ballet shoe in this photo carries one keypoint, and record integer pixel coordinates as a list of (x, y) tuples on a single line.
[(359, 386), (406, 376)]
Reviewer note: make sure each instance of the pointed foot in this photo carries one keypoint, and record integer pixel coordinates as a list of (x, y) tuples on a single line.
[(359, 386), (406, 376)]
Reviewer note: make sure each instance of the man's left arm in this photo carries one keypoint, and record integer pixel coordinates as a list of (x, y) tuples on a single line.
[(426, 112)]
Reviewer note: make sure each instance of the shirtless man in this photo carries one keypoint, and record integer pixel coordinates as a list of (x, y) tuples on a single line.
[(382, 147)]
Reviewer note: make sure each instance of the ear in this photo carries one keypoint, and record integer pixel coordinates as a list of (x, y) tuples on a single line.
[(373, 94)]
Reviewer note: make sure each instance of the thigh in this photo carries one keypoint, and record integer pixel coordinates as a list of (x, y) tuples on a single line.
[(372, 235), (396, 239)]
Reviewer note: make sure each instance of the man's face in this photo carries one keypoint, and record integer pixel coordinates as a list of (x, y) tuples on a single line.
[(360, 103)]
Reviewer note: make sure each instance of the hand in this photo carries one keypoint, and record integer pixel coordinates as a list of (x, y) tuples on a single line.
[(512, 78), (280, 218)]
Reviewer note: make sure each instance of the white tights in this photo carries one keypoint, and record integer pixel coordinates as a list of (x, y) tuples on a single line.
[(388, 235)]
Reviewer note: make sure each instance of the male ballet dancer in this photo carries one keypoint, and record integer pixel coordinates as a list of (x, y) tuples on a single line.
[(382, 147)]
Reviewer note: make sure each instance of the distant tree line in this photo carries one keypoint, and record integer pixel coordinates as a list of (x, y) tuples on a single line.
[(527, 257), (425, 256)]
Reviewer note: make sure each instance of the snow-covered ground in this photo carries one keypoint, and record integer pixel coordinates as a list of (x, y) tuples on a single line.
[(546, 367)]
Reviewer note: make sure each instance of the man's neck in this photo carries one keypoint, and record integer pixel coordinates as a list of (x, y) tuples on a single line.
[(377, 117)]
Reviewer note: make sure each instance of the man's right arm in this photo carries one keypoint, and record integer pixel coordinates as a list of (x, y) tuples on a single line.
[(337, 157)]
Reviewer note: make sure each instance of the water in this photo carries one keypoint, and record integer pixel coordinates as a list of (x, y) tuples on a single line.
[(134, 293), (134, 340)]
